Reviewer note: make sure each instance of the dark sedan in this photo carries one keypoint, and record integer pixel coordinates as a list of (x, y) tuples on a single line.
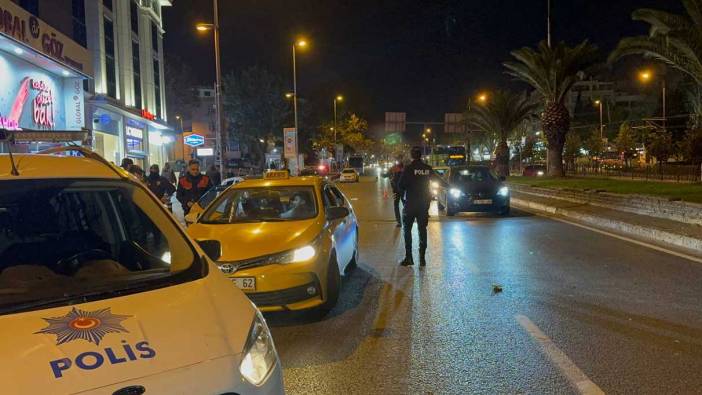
[(474, 189)]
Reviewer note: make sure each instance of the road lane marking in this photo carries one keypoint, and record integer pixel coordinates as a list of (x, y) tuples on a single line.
[(576, 376), (616, 236)]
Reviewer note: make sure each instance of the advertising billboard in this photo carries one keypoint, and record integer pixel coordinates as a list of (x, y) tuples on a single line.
[(32, 98), (290, 142)]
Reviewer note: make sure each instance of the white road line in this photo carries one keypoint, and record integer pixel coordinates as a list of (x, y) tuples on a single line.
[(616, 236), (576, 376)]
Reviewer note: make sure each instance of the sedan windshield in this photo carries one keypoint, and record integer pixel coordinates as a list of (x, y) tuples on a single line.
[(269, 204), (61, 240), (474, 174)]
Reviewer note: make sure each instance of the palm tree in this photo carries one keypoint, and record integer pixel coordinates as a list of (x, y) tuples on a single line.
[(552, 71), (675, 40), (500, 117)]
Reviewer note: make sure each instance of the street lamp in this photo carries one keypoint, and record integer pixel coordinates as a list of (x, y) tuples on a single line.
[(204, 27), (646, 76), (302, 44), (337, 99), (599, 103)]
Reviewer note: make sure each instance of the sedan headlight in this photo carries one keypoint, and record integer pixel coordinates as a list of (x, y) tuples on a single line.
[(456, 193), (539, 173), (503, 191), (259, 353)]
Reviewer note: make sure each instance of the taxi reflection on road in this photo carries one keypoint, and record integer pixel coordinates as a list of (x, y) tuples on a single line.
[(285, 241)]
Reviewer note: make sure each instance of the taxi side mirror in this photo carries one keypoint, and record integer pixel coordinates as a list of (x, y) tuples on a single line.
[(334, 213), (212, 248)]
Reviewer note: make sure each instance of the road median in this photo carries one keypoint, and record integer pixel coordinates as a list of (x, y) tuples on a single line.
[(617, 216)]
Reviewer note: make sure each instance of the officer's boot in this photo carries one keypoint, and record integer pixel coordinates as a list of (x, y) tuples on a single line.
[(408, 261), (422, 256)]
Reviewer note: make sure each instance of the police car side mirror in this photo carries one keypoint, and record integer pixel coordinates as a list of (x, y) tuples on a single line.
[(212, 248), (334, 213)]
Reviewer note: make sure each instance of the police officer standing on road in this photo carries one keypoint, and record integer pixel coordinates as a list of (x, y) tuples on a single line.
[(414, 185), (192, 186)]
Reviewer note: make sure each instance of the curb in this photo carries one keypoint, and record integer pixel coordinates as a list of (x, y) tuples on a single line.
[(652, 235)]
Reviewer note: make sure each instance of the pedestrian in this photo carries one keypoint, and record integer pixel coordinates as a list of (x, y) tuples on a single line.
[(168, 173), (394, 174), (414, 186), (192, 186), (137, 172), (160, 185), (214, 175), (127, 163)]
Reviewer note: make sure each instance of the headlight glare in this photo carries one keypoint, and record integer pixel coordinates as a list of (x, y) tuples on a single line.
[(259, 353), (304, 254), (456, 193), (503, 191), (434, 184), (539, 173)]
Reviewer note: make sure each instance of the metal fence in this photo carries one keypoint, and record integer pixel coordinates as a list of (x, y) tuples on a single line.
[(665, 172)]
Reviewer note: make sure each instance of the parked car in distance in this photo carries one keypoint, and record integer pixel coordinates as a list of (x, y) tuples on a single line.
[(349, 175), (534, 171)]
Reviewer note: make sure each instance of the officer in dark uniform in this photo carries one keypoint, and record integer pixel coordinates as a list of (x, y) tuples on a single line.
[(414, 185)]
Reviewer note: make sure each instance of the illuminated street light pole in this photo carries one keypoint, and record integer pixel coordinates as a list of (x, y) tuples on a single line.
[(645, 76), (336, 100), (599, 103), (300, 43), (218, 84)]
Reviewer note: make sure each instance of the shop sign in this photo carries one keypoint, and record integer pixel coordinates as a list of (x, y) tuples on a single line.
[(290, 142), (194, 140), (32, 98), (8, 124), (26, 28), (147, 115)]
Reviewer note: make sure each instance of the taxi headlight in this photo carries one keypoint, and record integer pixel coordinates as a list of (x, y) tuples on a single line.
[(259, 353), (503, 191), (304, 254)]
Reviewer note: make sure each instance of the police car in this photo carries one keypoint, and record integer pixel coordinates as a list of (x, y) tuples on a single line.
[(103, 292)]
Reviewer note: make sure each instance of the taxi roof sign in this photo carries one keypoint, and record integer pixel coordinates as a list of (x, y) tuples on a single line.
[(277, 175)]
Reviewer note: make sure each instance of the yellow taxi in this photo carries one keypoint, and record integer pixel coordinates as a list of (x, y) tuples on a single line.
[(285, 240), (103, 292)]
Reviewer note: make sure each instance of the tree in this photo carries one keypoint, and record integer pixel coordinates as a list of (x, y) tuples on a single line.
[(691, 146), (500, 117), (594, 144), (255, 108), (625, 143), (660, 146), (529, 147), (673, 39), (351, 132), (180, 89), (571, 152), (553, 71)]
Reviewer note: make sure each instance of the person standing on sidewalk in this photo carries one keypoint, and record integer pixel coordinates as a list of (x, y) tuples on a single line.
[(192, 186), (414, 185), (395, 173)]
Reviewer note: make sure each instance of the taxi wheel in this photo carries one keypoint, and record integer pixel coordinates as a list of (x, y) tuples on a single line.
[(333, 285)]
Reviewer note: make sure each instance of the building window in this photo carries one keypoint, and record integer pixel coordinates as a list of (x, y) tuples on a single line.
[(154, 37), (134, 14), (107, 4), (136, 66), (79, 32), (32, 6), (110, 64), (157, 87)]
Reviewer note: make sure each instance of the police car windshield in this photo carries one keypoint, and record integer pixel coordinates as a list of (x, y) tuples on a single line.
[(269, 204), (80, 239)]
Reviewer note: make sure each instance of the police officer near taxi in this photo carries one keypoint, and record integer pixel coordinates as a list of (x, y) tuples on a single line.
[(414, 185), (192, 186)]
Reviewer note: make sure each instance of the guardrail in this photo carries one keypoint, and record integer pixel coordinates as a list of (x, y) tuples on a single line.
[(670, 173)]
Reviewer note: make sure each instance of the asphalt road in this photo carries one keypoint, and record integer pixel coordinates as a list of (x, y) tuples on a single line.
[(579, 312)]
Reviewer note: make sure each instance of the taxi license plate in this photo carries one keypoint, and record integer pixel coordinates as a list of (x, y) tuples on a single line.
[(482, 201), (245, 283)]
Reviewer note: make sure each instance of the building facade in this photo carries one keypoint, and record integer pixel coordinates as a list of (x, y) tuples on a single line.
[(42, 74), (124, 111), (125, 105)]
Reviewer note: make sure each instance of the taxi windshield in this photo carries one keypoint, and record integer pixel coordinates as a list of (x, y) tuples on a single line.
[(63, 241), (269, 204)]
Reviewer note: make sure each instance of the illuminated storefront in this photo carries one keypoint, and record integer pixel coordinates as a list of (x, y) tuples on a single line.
[(41, 82)]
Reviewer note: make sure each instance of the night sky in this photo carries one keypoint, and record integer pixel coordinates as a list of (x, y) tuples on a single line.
[(420, 57)]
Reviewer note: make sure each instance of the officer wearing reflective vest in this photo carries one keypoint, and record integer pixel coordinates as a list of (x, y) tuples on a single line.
[(414, 186), (192, 186)]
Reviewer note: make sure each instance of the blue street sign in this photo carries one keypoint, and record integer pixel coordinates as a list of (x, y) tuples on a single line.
[(194, 140)]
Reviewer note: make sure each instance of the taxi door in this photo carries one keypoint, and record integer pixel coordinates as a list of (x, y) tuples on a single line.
[(338, 229)]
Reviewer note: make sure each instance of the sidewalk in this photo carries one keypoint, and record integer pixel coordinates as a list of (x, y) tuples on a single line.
[(678, 236)]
